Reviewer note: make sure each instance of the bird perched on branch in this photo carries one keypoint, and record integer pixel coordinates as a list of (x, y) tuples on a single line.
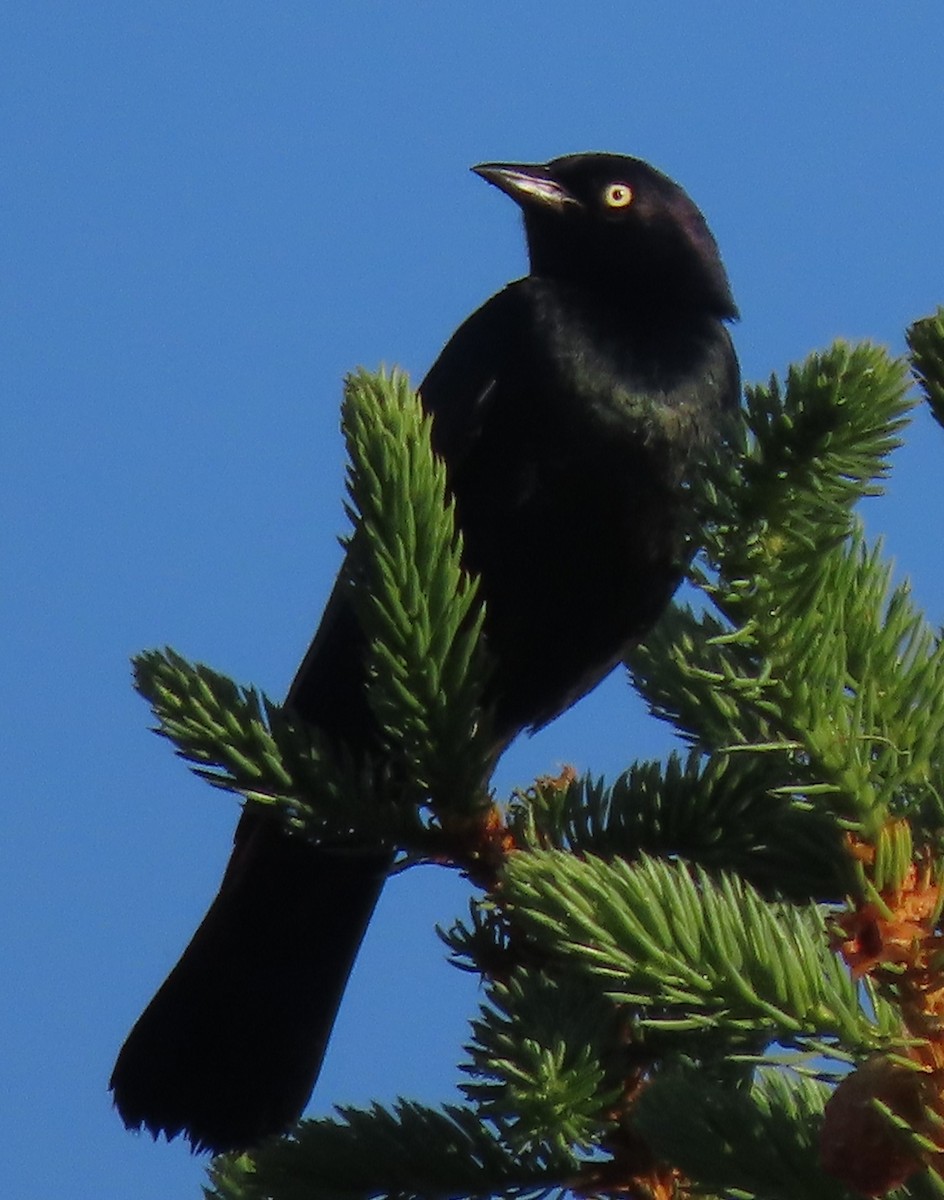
[(572, 410)]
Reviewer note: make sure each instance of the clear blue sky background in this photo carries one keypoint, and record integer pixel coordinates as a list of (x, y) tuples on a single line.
[(208, 213)]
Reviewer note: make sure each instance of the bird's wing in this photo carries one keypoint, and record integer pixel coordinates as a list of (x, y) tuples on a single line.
[(328, 688), (462, 383)]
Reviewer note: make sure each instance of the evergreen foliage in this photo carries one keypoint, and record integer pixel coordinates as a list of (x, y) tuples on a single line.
[(681, 968), (926, 341), (417, 604), (426, 667), (691, 951)]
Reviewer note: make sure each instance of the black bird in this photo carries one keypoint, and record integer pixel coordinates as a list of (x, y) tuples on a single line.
[(572, 410)]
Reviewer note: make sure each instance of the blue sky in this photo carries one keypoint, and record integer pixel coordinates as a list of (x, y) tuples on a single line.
[(208, 214)]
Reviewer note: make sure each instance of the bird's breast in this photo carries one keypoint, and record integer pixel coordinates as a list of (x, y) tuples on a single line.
[(607, 371), (571, 495)]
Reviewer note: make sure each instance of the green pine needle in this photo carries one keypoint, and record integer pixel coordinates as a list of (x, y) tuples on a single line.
[(854, 683), (689, 950), (813, 449), (425, 666), (549, 1087), (416, 603), (409, 1152), (734, 812), (809, 647), (759, 1141), (926, 342), (238, 740)]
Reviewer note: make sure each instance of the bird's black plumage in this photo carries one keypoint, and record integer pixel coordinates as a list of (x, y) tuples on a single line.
[(572, 410)]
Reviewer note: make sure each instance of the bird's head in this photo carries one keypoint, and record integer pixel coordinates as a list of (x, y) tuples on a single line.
[(619, 226)]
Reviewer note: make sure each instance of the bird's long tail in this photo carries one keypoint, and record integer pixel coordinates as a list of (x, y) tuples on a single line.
[(228, 1050)]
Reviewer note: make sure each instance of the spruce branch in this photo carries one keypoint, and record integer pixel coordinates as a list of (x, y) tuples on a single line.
[(809, 651), (236, 739), (926, 342), (417, 605), (848, 695), (759, 1141), (811, 451), (861, 677), (425, 666), (729, 811), (692, 952), (550, 1086), (706, 679), (409, 1152)]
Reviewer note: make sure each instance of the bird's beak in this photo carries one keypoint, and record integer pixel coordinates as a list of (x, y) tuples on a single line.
[(526, 183)]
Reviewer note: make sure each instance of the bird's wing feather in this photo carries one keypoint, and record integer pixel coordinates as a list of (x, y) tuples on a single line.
[(462, 383), (458, 389)]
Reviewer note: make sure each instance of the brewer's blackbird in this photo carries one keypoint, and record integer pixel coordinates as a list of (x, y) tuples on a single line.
[(572, 411)]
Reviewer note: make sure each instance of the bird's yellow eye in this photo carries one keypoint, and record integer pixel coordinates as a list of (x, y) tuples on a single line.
[(617, 195)]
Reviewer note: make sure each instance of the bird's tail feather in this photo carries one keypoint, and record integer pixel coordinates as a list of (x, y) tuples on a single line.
[(228, 1050)]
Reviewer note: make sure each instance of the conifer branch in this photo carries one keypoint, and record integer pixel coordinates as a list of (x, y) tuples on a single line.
[(690, 951), (731, 812), (550, 1087), (425, 666), (417, 605), (810, 452), (409, 1152), (851, 691), (808, 649), (759, 1141), (236, 739), (926, 342)]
